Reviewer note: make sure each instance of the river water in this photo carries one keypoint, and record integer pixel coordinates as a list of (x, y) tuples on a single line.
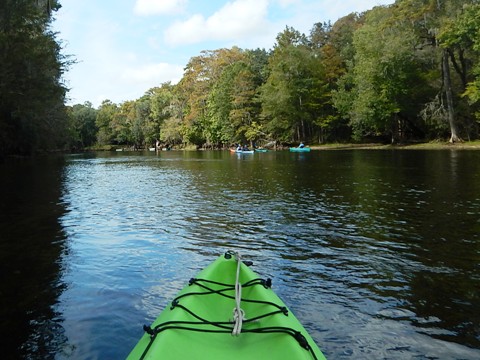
[(376, 252)]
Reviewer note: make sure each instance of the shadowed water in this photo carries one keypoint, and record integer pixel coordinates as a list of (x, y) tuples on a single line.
[(376, 252)]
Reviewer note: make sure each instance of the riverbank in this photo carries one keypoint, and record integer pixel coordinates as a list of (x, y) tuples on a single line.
[(434, 145)]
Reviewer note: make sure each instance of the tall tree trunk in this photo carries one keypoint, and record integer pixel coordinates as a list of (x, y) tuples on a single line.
[(447, 83)]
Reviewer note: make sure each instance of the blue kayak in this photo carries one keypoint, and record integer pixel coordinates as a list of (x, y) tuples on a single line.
[(242, 151)]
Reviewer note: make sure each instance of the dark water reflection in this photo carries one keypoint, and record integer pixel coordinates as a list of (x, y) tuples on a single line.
[(32, 248), (377, 252)]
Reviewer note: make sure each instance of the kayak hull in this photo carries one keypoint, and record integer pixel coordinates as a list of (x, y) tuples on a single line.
[(242, 151), (296, 149), (179, 334)]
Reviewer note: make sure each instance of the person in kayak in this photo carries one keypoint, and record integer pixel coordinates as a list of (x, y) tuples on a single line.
[(302, 145)]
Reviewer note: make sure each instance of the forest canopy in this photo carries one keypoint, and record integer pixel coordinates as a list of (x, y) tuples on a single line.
[(409, 71), (32, 94)]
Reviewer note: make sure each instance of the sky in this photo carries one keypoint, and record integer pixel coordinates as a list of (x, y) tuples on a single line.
[(123, 48)]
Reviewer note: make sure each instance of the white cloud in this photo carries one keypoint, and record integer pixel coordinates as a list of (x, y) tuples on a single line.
[(287, 3), (190, 31), (108, 69), (159, 7), (122, 81), (237, 19)]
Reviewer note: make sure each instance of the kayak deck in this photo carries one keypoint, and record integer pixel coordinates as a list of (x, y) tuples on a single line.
[(199, 323)]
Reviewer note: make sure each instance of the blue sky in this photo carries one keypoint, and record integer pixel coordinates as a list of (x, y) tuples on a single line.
[(125, 47)]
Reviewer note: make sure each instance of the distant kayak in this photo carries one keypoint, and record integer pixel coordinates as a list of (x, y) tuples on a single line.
[(242, 151), (297, 149), (261, 150), (226, 312)]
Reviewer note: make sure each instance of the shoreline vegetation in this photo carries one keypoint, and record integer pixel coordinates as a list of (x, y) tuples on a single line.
[(433, 145), (343, 85)]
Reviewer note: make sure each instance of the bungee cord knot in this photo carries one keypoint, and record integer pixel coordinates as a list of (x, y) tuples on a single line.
[(238, 312), (238, 317)]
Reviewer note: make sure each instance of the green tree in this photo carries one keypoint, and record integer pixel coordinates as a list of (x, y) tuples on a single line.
[(161, 109), (385, 73), (32, 114), (171, 131), (430, 19), (140, 122), (219, 129), (333, 46), (104, 122), (292, 94), (341, 39), (462, 33), (231, 104), (122, 123), (244, 112), (193, 90), (201, 74), (83, 130), (384, 89)]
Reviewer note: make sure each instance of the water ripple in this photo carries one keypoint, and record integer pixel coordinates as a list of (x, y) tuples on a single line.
[(354, 245)]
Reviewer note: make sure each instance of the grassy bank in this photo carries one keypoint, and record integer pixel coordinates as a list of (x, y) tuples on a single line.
[(434, 145)]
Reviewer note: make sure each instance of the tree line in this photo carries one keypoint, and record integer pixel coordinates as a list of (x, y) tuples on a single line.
[(405, 72), (32, 93)]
